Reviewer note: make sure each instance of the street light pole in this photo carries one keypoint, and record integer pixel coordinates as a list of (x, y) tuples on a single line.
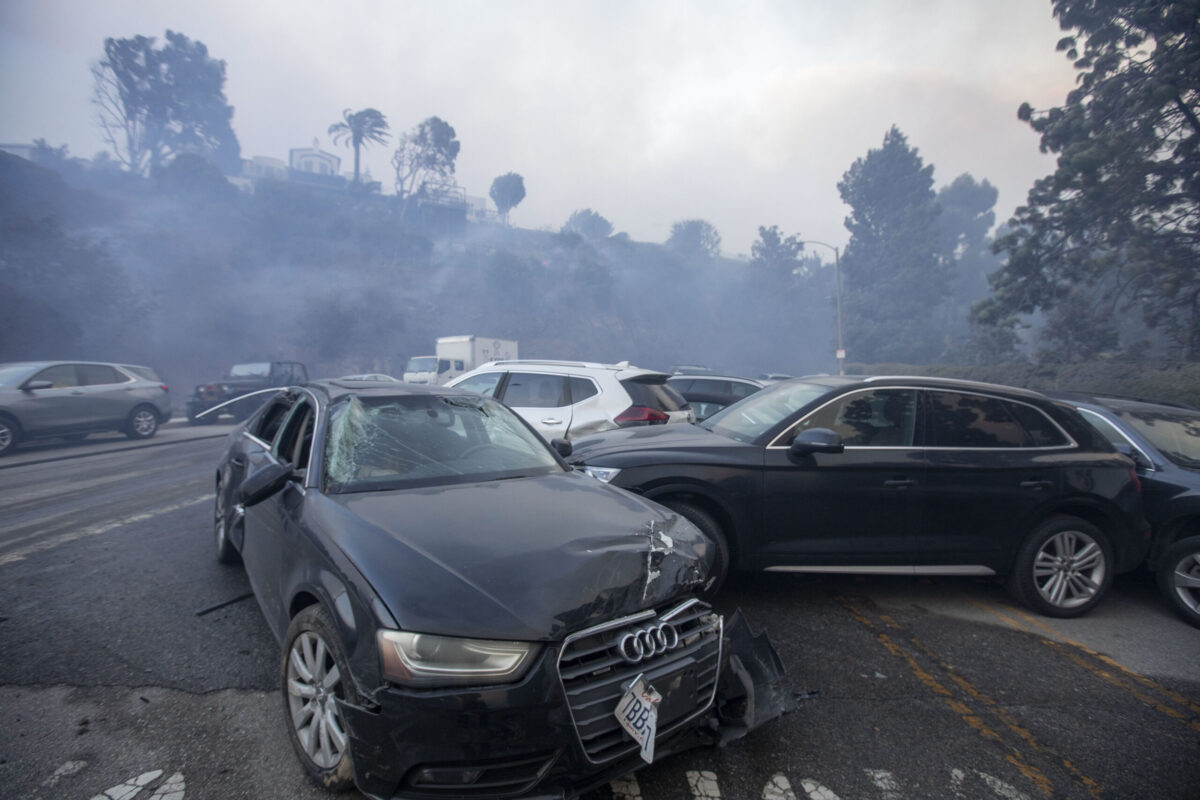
[(837, 272)]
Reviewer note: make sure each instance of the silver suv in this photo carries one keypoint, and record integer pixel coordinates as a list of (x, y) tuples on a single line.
[(566, 399), (70, 399)]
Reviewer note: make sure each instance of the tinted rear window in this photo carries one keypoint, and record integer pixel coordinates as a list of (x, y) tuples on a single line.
[(654, 392), (972, 420)]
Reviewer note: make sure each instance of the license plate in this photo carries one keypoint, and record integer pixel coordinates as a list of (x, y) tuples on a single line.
[(637, 712)]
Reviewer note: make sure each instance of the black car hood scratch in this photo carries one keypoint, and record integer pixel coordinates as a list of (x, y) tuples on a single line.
[(473, 560)]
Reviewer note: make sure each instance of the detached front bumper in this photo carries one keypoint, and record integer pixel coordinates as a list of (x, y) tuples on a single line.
[(554, 734)]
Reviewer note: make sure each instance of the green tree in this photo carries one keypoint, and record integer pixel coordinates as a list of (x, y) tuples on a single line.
[(965, 224), (360, 128), (777, 257), (895, 277), (156, 102), (425, 155), (588, 224), (1120, 216), (695, 238), (507, 191)]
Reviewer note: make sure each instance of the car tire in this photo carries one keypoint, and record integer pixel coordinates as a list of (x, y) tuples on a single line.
[(1179, 578), (1063, 569), (142, 423), (10, 435), (314, 672), (226, 552), (713, 532)]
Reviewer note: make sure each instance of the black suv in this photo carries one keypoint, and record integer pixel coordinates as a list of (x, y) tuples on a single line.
[(1164, 441), (896, 475), (242, 380)]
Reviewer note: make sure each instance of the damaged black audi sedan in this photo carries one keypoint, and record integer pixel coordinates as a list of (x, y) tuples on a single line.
[(461, 614)]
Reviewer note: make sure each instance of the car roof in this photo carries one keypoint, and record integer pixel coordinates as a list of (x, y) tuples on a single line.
[(1117, 401), (926, 381), (336, 388), (623, 368), (714, 377)]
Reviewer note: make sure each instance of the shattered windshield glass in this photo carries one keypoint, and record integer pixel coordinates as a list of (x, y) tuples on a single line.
[(378, 443)]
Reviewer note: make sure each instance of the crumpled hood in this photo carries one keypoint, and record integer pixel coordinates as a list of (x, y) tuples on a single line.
[(525, 559)]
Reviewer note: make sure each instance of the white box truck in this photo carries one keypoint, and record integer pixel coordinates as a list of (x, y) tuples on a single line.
[(456, 355)]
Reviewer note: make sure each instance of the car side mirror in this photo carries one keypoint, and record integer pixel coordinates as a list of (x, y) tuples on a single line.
[(1139, 460), (562, 447), (815, 440), (264, 482), (34, 385)]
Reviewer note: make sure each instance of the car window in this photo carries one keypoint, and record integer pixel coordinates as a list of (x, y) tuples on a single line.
[(60, 375), (260, 369), (1175, 432), (294, 440), (142, 372), (483, 384), (755, 415), (740, 389), (582, 389), (653, 391), (683, 384), (380, 443), (873, 418), (535, 390), (1041, 428), (973, 420), (97, 374), (266, 422)]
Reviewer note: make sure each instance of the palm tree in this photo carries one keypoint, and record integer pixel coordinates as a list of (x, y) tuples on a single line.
[(360, 128)]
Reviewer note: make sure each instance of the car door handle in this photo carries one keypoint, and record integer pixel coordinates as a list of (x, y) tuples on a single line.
[(1036, 485), (551, 421), (238, 462), (899, 483)]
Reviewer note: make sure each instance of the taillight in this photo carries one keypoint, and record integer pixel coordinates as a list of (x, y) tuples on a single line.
[(640, 415), (1137, 482), (163, 386)]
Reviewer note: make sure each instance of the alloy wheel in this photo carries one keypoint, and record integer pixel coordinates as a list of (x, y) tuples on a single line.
[(313, 685), (1185, 580), (144, 423), (1069, 569)]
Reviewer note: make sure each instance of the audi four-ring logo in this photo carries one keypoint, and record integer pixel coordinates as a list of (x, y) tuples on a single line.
[(646, 643)]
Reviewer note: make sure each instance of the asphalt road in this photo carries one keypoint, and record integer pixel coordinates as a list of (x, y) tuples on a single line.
[(113, 685)]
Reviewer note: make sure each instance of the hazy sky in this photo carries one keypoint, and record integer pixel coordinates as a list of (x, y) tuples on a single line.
[(740, 113)]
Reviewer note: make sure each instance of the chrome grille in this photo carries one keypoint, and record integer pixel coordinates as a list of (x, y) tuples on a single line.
[(595, 675)]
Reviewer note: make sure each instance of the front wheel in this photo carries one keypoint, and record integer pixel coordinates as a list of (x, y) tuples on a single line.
[(314, 674), (1179, 578), (142, 423), (10, 434), (711, 529), (226, 552), (1063, 569)]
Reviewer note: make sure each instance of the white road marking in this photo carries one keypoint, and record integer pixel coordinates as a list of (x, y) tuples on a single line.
[(65, 771), (779, 788), (171, 790), (816, 791), (95, 530), (704, 785), (1001, 788), (886, 783), (625, 789), (129, 788), (957, 778)]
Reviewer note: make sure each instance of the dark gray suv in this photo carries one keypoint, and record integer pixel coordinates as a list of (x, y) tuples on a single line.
[(70, 399)]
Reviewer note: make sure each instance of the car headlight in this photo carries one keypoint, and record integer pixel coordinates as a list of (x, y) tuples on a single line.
[(424, 660), (602, 474)]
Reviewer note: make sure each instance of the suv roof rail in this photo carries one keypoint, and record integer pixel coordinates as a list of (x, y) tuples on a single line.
[(953, 382), (552, 363)]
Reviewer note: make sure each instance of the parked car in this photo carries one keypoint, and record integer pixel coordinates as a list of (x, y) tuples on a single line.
[(568, 399), (708, 394), (70, 399), (460, 613), (243, 380), (897, 475), (1164, 441)]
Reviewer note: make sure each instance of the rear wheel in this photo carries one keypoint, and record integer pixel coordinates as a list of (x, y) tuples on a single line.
[(313, 675), (1179, 578), (1063, 569), (10, 434), (142, 423), (713, 532)]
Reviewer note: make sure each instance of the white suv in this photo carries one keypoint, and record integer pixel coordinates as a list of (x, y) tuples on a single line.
[(568, 399)]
